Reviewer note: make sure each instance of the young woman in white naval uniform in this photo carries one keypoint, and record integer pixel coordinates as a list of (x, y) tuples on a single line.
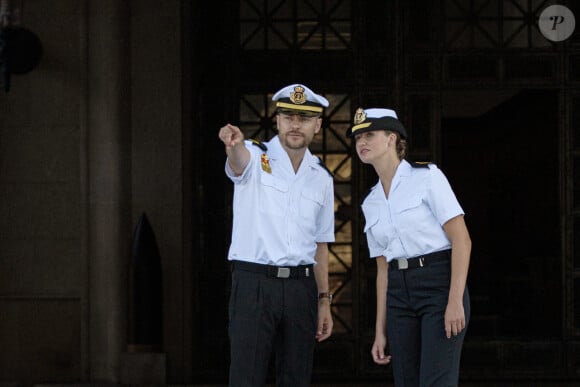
[(417, 234)]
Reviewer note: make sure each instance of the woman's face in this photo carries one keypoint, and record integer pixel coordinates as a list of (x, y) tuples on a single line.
[(373, 145)]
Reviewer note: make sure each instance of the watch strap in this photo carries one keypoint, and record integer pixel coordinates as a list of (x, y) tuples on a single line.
[(325, 295)]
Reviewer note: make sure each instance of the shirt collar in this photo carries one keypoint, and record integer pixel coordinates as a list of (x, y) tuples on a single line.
[(403, 170)]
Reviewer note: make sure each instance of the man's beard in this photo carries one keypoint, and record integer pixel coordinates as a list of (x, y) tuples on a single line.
[(295, 143)]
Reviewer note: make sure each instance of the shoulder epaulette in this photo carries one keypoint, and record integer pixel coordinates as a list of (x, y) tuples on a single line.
[(321, 163), (259, 144), (420, 164)]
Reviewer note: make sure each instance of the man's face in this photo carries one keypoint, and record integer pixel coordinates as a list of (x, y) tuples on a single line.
[(297, 131)]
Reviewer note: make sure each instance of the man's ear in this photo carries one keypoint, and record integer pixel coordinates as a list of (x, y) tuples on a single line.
[(319, 125)]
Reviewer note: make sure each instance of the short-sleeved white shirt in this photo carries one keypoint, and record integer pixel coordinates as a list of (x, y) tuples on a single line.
[(279, 216), (409, 223)]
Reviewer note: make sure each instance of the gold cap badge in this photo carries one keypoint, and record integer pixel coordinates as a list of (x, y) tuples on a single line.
[(297, 96), (359, 116)]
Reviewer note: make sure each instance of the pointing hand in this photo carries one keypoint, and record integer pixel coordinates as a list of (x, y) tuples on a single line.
[(231, 136)]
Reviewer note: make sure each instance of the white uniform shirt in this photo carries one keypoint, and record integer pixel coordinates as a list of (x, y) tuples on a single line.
[(278, 217), (409, 223)]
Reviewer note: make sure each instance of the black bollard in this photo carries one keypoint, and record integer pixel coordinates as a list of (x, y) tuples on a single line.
[(20, 52), (145, 292)]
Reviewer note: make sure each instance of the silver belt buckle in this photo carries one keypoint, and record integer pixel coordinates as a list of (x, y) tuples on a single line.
[(283, 272), (403, 264)]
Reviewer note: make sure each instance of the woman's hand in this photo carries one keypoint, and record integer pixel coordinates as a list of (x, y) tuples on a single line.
[(454, 318), (378, 350)]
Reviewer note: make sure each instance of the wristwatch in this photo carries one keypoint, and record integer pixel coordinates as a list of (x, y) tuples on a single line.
[(326, 295)]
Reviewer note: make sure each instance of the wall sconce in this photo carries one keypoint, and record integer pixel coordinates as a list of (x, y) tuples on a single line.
[(20, 48)]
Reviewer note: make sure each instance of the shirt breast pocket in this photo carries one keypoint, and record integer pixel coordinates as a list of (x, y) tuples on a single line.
[(376, 233), (371, 220), (274, 198), (310, 204), (409, 203), (411, 211)]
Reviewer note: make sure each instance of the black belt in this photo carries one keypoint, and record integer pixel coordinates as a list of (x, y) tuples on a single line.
[(302, 271), (419, 261)]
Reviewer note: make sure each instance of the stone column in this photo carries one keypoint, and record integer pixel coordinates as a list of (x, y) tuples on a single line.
[(109, 181)]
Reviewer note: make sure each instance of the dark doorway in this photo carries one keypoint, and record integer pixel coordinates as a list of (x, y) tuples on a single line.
[(501, 147), (500, 153)]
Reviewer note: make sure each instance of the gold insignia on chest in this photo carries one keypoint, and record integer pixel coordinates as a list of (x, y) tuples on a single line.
[(266, 163), (359, 116), (297, 96)]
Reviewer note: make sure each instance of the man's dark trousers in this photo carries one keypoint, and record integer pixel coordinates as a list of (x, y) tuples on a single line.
[(272, 314)]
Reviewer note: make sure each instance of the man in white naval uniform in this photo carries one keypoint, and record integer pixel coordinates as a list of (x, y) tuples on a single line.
[(283, 220)]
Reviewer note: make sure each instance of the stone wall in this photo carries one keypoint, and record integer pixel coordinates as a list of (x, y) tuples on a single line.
[(89, 140)]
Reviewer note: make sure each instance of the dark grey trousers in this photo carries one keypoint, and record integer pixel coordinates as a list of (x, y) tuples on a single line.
[(423, 356), (272, 315)]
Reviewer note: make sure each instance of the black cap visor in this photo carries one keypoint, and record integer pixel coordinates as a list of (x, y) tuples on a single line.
[(383, 123)]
